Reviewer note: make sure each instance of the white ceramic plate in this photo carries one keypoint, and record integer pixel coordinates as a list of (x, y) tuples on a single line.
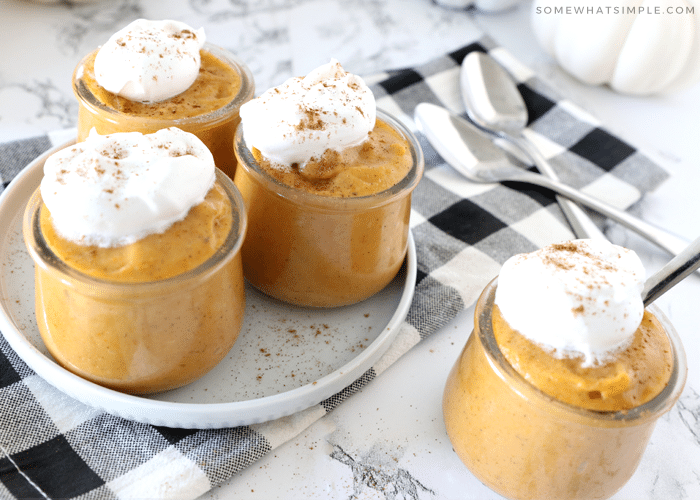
[(286, 358)]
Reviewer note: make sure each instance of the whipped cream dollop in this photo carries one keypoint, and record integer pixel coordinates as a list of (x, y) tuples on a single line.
[(582, 297), (150, 61), (328, 109), (115, 189)]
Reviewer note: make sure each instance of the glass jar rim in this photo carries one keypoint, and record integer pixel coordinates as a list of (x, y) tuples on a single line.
[(245, 93), (336, 203), (43, 256), (650, 410)]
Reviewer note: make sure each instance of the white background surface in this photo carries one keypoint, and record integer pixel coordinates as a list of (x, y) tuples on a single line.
[(388, 441)]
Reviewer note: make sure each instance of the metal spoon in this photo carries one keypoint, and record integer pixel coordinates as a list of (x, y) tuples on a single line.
[(677, 269), (494, 103), (472, 153)]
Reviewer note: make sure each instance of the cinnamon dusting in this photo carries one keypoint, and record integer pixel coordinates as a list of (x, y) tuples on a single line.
[(311, 121), (216, 85), (371, 167)]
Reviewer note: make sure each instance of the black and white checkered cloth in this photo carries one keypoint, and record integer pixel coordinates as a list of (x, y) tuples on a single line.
[(52, 446)]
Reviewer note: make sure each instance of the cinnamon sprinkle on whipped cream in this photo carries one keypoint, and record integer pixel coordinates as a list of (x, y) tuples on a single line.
[(115, 189), (327, 110), (577, 298), (150, 61)]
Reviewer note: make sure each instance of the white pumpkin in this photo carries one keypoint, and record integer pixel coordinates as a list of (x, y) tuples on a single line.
[(637, 47)]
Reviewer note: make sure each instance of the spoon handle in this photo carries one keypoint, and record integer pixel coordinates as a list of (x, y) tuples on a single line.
[(678, 268), (580, 222), (669, 242)]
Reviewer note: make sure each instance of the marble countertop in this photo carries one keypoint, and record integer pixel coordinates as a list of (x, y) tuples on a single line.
[(388, 441)]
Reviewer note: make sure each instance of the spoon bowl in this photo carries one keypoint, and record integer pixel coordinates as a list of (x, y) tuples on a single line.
[(493, 101), (490, 95)]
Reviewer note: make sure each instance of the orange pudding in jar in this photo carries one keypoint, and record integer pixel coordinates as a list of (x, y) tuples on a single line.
[(562, 418), (204, 101), (136, 244), (327, 180)]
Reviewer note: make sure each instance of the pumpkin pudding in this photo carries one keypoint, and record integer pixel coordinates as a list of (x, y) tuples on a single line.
[(328, 185), (565, 411), (135, 239), (158, 74)]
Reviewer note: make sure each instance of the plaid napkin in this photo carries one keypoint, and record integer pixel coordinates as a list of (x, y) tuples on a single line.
[(52, 446)]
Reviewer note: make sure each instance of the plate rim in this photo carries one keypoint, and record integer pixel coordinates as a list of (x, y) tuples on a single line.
[(199, 415)]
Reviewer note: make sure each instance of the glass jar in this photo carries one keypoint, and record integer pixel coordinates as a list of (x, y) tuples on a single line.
[(524, 444), (323, 251), (140, 337), (215, 128)]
